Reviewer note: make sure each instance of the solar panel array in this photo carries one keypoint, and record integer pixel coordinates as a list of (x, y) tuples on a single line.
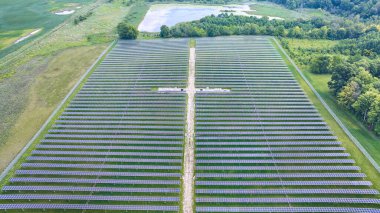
[(263, 147), (118, 145)]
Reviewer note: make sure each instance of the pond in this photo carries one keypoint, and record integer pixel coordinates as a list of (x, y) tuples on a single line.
[(171, 14)]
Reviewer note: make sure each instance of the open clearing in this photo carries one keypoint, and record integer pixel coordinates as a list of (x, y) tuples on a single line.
[(260, 147), (263, 8)]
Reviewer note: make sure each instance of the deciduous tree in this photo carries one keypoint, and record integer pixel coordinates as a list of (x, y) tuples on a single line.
[(127, 31)]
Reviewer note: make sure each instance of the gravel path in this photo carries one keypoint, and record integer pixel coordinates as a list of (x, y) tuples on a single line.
[(188, 176)]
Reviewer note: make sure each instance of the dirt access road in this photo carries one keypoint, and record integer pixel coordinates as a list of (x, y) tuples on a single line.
[(189, 160)]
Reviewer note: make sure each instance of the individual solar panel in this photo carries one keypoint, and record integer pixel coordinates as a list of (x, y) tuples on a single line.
[(86, 197), (212, 128), (283, 183), (229, 118), (313, 137), (284, 168), (90, 207), (155, 154), (78, 121), (100, 166), (93, 173), (287, 209), (147, 132), (263, 123), (93, 147), (118, 126), (90, 189), (124, 160), (279, 161), (287, 200), (111, 142), (288, 191), (113, 136), (280, 175), (271, 143), (95, 181), (212, 133), (271, 149), (304, 154)]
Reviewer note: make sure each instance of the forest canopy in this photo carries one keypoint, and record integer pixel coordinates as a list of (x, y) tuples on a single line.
[(228, 24), (365, 9)]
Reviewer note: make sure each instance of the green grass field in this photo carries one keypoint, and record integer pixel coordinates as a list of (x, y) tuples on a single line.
[(264, 8), (18, 17), (311, 44), (137, 13), (269, 9), (367, 139), (8, 38)]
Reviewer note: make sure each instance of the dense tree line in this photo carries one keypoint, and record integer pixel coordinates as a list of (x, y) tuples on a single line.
[(228, 24), (355, 74), (364, 8), (363, 51), (367, 45), (358, 91)]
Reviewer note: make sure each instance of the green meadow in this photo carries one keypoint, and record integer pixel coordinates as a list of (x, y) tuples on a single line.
[(19, 17)]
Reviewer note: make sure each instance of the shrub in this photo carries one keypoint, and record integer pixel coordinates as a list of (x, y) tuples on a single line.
[(127, 31)]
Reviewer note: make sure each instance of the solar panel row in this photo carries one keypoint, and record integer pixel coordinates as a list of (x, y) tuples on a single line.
[(287, 209), (90, 207)]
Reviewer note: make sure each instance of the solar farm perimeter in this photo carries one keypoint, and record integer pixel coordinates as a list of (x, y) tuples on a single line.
[(260, 146)]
